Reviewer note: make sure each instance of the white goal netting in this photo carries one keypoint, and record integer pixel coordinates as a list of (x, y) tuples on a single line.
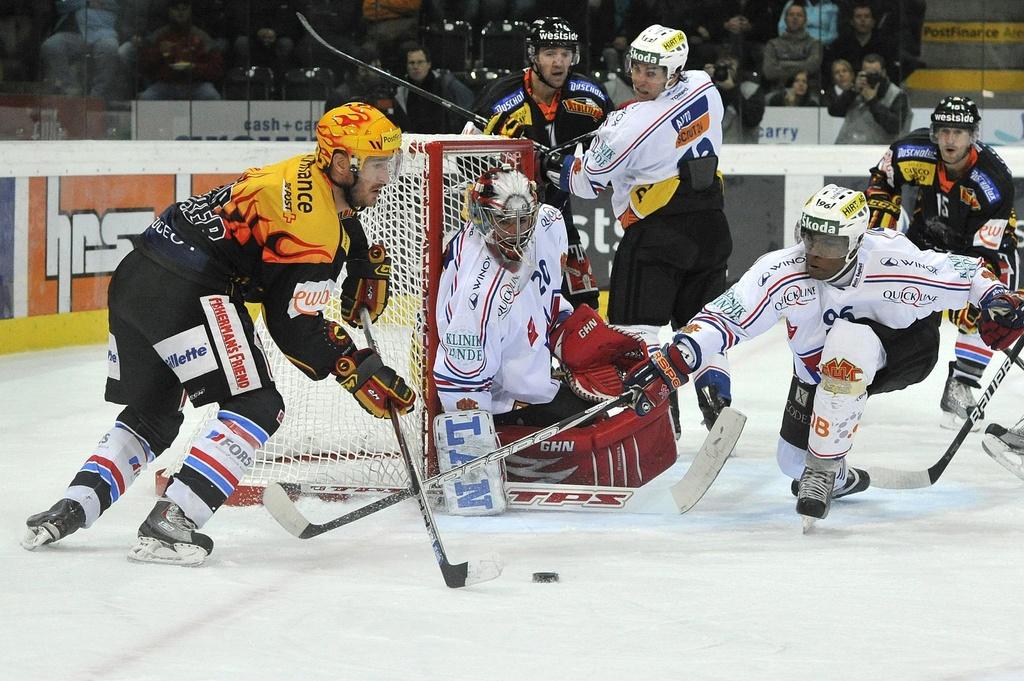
[(326, 438)]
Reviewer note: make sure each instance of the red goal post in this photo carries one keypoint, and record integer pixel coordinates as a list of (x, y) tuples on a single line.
[(327, 442)]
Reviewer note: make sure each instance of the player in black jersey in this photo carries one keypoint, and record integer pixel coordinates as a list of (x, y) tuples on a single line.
[(550, 104), (179, 329), (964, 205)]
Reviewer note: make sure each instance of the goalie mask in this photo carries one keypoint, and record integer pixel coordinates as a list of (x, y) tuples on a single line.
[(833, 222), (362, 132), (659, 45), (503, 206)]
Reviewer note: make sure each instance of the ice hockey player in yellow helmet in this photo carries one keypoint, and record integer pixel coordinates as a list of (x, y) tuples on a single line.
[(363, 135), (279, 236)]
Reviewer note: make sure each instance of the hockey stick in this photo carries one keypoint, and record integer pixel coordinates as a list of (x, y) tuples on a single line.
[(889, 478), (284, 511), (710, 458), (427, 94), (455, 576)]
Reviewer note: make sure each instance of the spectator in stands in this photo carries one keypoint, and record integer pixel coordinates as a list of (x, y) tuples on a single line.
[(266, 32), (796, 93), (423, 115), (794, 50), (84, 28), (822, 19), (744, 26), (742, 98), (862, 39), (842, 80), (179, 59), (876, 110)]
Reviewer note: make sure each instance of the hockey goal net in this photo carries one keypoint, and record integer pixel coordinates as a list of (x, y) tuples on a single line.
[(327, 443)]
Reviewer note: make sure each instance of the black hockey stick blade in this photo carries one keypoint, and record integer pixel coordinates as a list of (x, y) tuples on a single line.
[(709, 460), (889, 478)]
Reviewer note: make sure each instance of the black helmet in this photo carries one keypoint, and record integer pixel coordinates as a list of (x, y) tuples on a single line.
[(956, 112), (552, 32)]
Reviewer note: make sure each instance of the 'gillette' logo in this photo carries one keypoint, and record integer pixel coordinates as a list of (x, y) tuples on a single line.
[(178, 359)]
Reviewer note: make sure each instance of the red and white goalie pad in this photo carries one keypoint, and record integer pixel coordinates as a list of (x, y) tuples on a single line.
[(624, 450), (460, 437), (595, 356)]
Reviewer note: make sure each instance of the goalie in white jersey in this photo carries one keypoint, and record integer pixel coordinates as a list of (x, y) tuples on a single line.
[(660, 157), (862, 309), (500, 319)]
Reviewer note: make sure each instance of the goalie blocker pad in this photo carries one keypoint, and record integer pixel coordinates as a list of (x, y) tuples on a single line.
[(462, 436), (624, 450)]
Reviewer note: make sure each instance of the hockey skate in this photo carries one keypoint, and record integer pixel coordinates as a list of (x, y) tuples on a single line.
[(64, 518), (1006, 447), (814, 497), (711, 404), (958, 402), (857, 480), (168, 536)]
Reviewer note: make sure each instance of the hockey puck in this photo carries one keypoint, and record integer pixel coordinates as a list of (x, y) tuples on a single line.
[(542, 577)]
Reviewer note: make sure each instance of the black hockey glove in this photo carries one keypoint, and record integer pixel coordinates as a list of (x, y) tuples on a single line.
[(367, 285), (553, 164)]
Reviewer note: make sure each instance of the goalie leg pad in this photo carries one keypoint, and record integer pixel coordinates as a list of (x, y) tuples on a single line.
[(462, 436), (624, 450)]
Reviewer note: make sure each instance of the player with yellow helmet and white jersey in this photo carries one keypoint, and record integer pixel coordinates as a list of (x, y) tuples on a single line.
[(279, 235)]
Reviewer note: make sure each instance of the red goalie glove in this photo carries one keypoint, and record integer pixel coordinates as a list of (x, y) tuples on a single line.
[(367, 285), (1002, 319), (595, 356), (374, 384)]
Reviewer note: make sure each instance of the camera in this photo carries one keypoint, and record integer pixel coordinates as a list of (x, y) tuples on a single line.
[(721, 72), (872, 78)]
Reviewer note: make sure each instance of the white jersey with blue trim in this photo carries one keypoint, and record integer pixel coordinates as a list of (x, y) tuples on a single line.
[(493, 324), (643, 143), (893, 283)]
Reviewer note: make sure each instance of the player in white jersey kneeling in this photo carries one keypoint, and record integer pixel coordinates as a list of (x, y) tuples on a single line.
[(862, 309), (500, 319)]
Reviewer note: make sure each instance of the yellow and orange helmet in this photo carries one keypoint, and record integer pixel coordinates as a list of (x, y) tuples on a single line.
[(358, 129)]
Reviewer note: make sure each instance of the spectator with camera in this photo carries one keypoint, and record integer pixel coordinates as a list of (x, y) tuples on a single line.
[(875, 109), (794, 50), (743, 99)]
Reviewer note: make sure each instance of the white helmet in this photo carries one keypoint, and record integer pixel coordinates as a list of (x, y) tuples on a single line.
[(503, 205), (833, 222), (660, 46)]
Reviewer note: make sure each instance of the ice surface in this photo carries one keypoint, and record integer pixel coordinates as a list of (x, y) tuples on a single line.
[(912, 585)]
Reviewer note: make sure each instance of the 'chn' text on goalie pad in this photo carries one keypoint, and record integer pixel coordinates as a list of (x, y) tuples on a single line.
[(462, 436)]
